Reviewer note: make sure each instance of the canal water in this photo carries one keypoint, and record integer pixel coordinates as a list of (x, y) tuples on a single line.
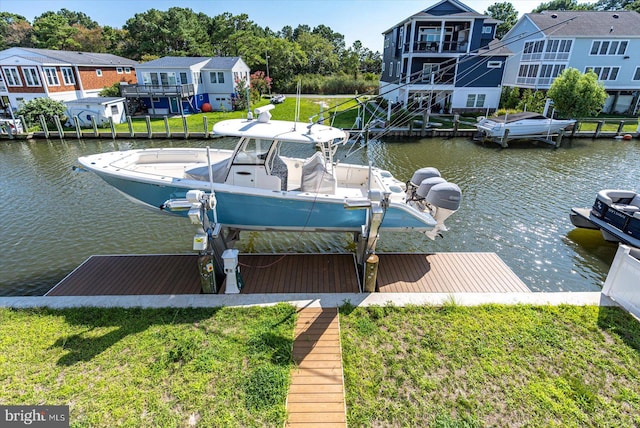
[(516, 203)]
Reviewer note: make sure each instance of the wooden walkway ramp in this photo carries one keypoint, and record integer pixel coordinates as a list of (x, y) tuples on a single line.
[(316, 394)]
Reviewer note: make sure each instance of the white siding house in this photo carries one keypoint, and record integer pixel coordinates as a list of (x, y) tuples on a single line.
[(177, 85), (606, 42)]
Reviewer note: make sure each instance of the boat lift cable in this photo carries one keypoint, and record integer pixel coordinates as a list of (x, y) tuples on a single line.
[(417, 76)]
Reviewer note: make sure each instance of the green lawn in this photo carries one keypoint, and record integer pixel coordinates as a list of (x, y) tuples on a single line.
[(153, 368), (491, 366), (447, 366)]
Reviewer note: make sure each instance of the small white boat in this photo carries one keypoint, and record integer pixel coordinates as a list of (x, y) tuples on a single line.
[(257, 186), (616, 213), (525, 124)]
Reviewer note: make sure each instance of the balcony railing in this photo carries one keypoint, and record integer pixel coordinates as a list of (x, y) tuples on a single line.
[(437, 47), (183, 91)]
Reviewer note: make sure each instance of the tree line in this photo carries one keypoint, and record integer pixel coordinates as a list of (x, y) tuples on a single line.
[(284, 55), (318, 56)]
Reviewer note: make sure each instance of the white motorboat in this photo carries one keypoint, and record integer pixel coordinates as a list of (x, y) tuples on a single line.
[(521, 125), (257, 187), (616, 213)]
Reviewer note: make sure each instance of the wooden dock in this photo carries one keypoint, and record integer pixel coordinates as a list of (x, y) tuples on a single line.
[(316, 394), (293, 273)]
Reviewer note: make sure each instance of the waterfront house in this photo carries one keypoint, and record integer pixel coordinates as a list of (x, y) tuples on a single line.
[(27, 73), (443, 58), (607, 42), (178, 85)]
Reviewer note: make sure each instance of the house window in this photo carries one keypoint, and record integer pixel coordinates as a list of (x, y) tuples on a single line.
[(390, 68), (487, 29), (532, 51), (13, 78), (127, 70), (67, 76), (183, 77), (429, 34), (114, 110), (475, 100), (31, 76), (557, 50), (220, 77), (98, 72), (398, 69), (119, 70), (383, 66), (609, 47), (527, 74), (604, 73), (494, 64), (429, 70), (548, 72), (636, 75), (52, 76)]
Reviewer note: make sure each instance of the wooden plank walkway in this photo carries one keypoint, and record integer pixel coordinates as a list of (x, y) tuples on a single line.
[(132, 275), (316, 394), (446, 273), (294, 273), (299, 273)]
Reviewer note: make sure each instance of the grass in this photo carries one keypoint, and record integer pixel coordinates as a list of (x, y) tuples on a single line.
[(491, 366), (163, 368), (447, 366), (309, 107)]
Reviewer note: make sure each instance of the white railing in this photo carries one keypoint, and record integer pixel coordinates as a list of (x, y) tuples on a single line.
[(623, 280)]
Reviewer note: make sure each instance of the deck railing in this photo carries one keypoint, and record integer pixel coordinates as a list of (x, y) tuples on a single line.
[(185, 90)]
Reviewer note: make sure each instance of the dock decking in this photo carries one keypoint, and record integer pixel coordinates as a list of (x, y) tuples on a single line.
[(293, 273)]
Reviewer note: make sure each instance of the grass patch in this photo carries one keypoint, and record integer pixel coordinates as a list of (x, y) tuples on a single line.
[(139, 367), (493, 365)]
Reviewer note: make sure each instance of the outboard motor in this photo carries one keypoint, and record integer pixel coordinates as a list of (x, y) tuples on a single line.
[(444, 200), (418, 177), (426, 185)]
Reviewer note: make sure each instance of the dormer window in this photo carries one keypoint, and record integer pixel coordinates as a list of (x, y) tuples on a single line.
[(487, 29)]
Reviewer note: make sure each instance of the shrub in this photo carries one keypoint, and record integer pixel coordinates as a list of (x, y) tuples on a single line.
[(32, 109)]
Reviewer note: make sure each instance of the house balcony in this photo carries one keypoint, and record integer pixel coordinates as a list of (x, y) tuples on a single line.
[(437, 47), (137, 91)]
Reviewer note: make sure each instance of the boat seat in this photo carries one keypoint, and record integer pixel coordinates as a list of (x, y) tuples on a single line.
[(316, 178), (201, 172), (280, 170)]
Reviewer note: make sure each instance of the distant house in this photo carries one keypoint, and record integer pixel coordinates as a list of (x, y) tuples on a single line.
[(606, 42), (443, 58), (178, 85), (27, 73), (100, 108)]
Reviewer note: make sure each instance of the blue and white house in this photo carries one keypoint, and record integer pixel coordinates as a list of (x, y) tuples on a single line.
[(444, 58), (179, 85), (607, 42)]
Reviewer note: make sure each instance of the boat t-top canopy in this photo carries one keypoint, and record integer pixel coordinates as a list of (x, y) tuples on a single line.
[(297, 132)]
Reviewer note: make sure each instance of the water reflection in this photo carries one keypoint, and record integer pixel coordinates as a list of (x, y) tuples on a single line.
[(516, 203)]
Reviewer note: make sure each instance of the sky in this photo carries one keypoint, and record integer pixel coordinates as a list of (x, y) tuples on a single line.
[(363, 20)]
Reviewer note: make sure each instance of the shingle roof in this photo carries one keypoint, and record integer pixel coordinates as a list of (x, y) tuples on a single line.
[(174, 62), (77, 58), (222, 63), (587, 23), (95, 100)]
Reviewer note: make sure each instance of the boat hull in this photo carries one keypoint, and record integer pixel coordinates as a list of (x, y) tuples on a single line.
[(626, 231), (257, 209)]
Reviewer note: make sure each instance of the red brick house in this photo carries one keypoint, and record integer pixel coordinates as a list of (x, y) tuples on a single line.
[(27, 73)]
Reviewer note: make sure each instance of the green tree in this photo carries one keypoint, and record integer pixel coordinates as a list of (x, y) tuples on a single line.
[(510, 97), (15, 30), (32, 109), (633, 6), (577, 94), (321, 56), (52, 31), (531, 101), (110, 91), (562, 5), (77, 18), (506, 13)]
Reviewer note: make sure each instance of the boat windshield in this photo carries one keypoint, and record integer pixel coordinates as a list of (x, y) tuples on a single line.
[(253, 151)]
